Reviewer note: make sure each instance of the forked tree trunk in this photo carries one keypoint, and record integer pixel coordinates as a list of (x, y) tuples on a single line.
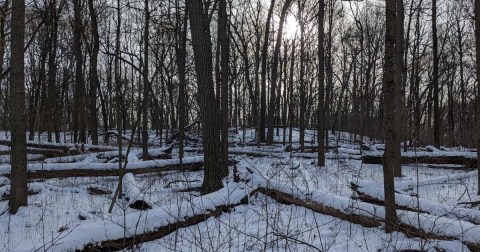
[(273, 82), (202, 51), (263, 85)]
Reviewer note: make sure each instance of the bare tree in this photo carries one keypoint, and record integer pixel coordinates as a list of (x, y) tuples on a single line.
[(146, 83), (389, 162), (435, 85), (94, 82), (477, 59), (274, 76), (215, 170), (18, 177), (321, 85)]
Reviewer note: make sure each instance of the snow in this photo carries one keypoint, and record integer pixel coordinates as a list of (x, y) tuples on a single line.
[(5, 169), (52, 221)]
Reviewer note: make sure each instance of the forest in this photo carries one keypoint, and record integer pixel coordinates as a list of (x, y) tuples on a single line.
[(239, 125)]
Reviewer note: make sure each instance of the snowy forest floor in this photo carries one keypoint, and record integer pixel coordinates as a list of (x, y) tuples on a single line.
[(67, 213)]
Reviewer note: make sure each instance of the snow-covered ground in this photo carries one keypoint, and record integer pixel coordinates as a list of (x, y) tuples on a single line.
[(62, 215)]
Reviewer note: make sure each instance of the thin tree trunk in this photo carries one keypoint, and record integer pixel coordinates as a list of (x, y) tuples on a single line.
[(273, 82), (224, 69), (79, 99), (181, 60), (399, 41), (146, 84), (302, 79), (321, 85), (389, 162), (436, 107), (263, 93), (94, 82)]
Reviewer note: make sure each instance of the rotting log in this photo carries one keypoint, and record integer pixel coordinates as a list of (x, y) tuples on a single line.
[(48, 174), (466, 162)]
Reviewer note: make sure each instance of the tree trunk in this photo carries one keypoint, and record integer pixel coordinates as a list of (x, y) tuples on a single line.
[(224, 69), (146, 84), (321, 85), (263, 93), (118, 98), (273, 82), (391, 148), (181, 61), (302, 79), (477, 59), (399, 33), (17, 107), (79, 98), (94, 82), (202, 50), (436, 107)]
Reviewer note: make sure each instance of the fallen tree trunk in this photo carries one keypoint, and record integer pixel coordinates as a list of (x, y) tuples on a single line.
[(372, 192), (466, 160), (319, 207), (412, 224), (70, 149), (49, 153), (143, 226), (119, 244), (46, 171), (133, 194)]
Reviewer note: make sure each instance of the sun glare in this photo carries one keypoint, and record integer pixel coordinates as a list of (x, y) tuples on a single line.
[(291, 27)]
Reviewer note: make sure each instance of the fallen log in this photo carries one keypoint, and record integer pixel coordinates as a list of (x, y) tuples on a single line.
[(412, 224), (318, 207), (372, 192), (143, 226), (5, 159), (67, 149), (467, 160), (409, 185), (133, 194), (47, 171), (49, 153)]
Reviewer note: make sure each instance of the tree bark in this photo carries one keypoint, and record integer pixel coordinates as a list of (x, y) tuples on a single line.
[(263, 85), (94, 82), (391, 148), (17, 107), (321, 85), (181, 61), (224, 69), (273, 82), (79, 98), (202, 51), (399, 41), (146, 83), (436, 98), (477, 59)]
